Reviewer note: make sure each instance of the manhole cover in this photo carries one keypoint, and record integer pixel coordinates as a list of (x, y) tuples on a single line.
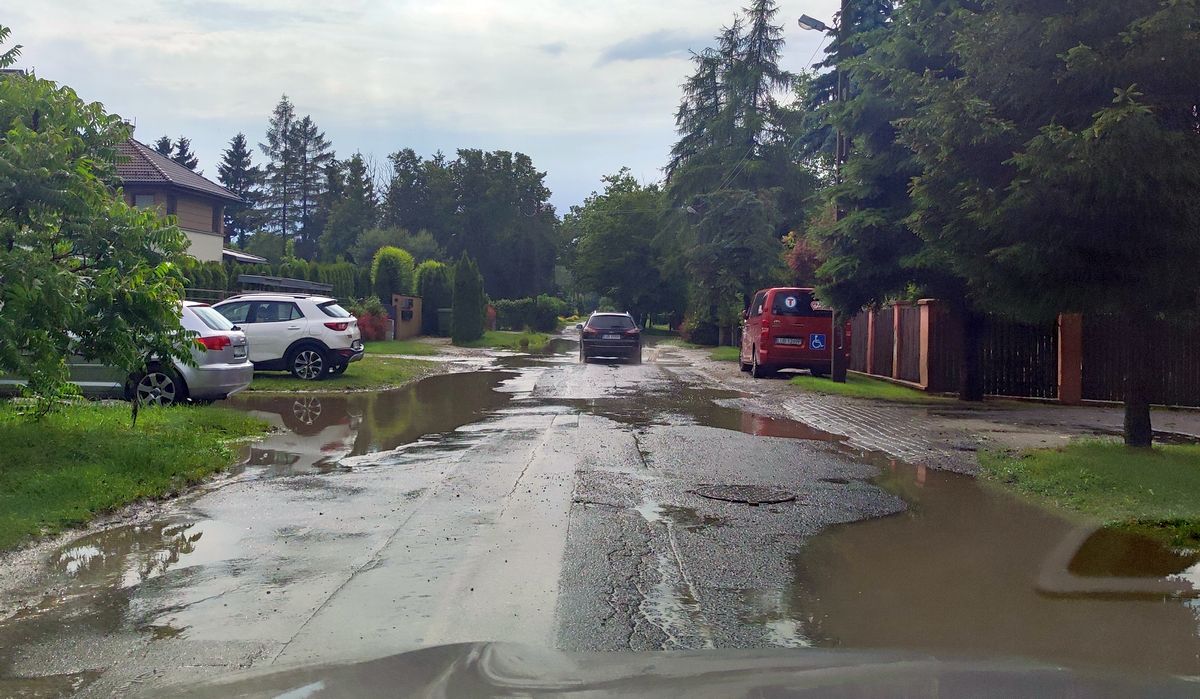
[(748, 494)]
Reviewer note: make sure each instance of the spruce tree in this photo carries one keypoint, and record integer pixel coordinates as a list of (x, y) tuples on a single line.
[(241, 176), (164, 147), (282, 170), (312, 152), (183, 154), (353, 211)]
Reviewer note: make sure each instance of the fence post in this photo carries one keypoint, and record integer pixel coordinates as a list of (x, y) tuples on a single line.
[(897, 339), (870, 341), (928, 322), (1070, 358)]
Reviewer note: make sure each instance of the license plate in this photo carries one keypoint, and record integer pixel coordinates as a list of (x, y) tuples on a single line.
[(612, 337), (789, 341), (239, 351)]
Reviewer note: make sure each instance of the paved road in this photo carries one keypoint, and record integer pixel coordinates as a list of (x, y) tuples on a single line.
[(537, 501)]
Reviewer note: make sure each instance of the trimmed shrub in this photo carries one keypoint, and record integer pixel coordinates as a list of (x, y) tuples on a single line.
[(435, 290), (373, 322), (391, 273), (470, 302), (539, 314)]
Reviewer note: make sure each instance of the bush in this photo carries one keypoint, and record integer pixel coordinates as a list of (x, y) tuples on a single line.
[(540, 314), (391, 273), (436, 291), (470, 302), (373, 321)]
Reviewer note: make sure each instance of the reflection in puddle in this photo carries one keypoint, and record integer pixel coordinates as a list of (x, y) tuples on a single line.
[(320, 430), (1113, 553), (957, 572)]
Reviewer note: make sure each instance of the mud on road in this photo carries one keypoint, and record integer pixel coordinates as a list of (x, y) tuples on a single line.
[(561, 505)]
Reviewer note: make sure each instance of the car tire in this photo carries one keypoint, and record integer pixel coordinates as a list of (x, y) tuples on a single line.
[(743, 366), (308, 363), (338, 370), (158, 386), (818, 373), (756, 369), (636, 357)]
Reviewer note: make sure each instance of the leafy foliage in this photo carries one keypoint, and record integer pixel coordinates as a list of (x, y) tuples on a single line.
[(391, 273), (81, 272)]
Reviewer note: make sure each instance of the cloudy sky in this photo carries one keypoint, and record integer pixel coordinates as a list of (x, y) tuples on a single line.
[(583, 86)]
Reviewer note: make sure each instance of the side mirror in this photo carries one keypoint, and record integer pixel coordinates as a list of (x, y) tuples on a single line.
[(579, 326), (746, 314)]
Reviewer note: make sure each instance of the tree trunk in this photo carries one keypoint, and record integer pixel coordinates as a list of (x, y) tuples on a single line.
[(1138, 430), (970, 372)]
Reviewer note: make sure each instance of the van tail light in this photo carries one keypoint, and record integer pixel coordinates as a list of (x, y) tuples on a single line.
[(339, 327), (215, 342)]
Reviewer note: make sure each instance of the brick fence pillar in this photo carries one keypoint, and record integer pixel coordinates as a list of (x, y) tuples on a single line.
[(870, 340), (929, 319), (897, 339), (1070, 358)]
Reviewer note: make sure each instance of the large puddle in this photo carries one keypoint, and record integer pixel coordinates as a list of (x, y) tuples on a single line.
[(317, 431), (965, 571)]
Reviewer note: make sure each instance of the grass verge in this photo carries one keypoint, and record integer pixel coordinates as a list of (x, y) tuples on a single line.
[(858, 386), (411, 347), (510, 340), (84, 460), (377, 373), (1155, 492), (726, 354)]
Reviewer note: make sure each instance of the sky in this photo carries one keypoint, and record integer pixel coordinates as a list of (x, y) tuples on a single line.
[(584, 87)]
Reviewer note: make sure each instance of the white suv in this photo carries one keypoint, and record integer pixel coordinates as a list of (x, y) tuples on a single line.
[(310, 336)]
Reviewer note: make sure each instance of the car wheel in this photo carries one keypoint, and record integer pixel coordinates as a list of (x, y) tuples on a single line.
[(742, 365), (756, 369), (818, 373), (636, 357), (338, 370), (308, 363), (583, 358), (159, 386)]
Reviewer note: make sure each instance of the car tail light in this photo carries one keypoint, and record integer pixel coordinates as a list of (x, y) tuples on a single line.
[(632, 331), (339, 327), (588, 332), (215, 342)]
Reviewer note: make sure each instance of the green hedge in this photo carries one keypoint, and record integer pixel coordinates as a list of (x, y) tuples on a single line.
[(539, 313)]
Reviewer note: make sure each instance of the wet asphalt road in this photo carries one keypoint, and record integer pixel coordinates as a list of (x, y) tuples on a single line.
[(533, 500)]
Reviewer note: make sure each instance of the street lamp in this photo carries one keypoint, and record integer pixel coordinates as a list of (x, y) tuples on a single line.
[(812, 24), (837, 367)]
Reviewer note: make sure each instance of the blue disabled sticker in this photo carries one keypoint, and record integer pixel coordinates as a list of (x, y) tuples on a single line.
[(816, 341)]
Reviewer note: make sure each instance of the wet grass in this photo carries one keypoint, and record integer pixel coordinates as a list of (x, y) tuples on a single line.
[(84, 460), (726, 354), (679, 342), (858, 386), (508, 340), (410, 347), (373, 372), (1155, 492)]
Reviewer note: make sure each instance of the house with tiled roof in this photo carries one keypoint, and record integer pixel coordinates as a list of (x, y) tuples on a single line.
[(151, 180)]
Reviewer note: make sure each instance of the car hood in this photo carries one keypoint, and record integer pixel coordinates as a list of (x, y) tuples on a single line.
[(507, 670)]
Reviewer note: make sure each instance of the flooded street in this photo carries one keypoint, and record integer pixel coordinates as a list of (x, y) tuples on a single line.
[(596, 507)]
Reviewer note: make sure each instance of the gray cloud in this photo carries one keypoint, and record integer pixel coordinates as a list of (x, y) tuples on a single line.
[(555, 48), (663, 43)]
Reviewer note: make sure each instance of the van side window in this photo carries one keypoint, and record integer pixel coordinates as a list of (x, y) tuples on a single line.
[(756, 306)]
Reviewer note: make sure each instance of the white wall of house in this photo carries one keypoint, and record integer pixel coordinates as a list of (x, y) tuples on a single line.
[(205, 247)]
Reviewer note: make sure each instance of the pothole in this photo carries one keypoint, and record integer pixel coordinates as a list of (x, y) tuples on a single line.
[(747, 494)]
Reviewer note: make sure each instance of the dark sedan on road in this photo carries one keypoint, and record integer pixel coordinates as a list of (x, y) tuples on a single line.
[(610, 335)]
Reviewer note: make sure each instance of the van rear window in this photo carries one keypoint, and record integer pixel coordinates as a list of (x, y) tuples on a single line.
[(796, 303)]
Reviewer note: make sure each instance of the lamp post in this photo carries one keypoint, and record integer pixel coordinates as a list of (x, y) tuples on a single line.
[(837, 368)]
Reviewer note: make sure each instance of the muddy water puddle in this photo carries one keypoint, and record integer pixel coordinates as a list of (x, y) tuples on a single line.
[(318, 431), (962, 571)]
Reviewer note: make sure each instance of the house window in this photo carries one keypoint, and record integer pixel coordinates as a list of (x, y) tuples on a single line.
[(143, 201), (216, 220), (171, 201)]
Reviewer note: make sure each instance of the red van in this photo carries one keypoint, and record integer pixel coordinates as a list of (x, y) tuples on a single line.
[(787, 328)]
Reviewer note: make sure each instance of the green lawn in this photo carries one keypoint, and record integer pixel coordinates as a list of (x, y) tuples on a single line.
[(84, 460), (859, 386), (371, 373), (726, 354), (1154, 492), (412, 347), (509, 340)]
